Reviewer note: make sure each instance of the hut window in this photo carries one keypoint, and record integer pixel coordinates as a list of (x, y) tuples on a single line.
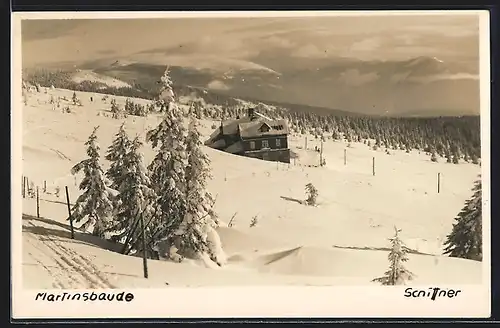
[(278, 143), (265, 144), (252, 144)]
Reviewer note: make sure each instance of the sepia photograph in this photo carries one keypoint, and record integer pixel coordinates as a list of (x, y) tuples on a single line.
[(246, 155)]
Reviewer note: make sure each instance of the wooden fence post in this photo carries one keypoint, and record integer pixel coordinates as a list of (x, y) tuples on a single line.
[(373, 166), (439, 182), (69, 213), (345, 156), (44, 186), (144, 254), (130, 233), (23, 190), (37, 203), (321, 154)]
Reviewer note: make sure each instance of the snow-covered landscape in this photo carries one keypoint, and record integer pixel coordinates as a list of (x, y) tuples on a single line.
[(341, 241), (241, 161)]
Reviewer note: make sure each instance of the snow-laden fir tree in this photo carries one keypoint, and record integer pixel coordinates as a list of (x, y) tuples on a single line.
[(117, 111), (200, 219), (135, 197), (114, 105), (254, 222), (448, 157), (94, 206), (397, 273), (166, 94), (129, 106), (311, 194), (465, 239), (466, 158), (25, 91), (474, 158), (116, 155), (434, 157), (167, 171), (150, 107)]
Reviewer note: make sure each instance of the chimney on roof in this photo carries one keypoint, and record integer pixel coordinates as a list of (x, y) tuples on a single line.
[(251, 114)]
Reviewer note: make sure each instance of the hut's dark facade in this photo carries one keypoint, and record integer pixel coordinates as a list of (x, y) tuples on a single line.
[(253, 136)]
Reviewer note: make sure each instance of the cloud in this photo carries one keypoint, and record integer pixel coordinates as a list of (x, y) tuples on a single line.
[(280, 42), (218, 85), (416, 50), (353, 77), (309, 50), (453, 31), (366, 45), (365, 49), (406, 39), (106, 52), (440, 77), (228, 47), (362, 37), (405, 77), (48, 29), (399, 77)]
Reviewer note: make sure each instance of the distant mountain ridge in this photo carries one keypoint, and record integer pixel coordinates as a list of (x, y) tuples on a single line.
[(74, 79), (421, 84)]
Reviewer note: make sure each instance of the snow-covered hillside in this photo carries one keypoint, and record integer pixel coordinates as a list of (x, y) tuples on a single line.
[(86, 75), (342, 241)]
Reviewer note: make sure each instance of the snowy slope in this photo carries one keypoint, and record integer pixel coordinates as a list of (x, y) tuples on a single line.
[(86, 75), (343, 241)]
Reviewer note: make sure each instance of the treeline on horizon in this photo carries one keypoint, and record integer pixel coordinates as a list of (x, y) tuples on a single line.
[(455, 138)]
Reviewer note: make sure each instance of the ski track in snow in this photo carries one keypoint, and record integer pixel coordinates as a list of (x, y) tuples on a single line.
[(72, 270), (60, 154)]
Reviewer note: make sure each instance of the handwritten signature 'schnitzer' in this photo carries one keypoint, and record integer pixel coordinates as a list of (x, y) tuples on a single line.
[(432, 292)]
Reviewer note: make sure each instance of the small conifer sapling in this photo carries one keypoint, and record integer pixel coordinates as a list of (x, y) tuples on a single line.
[(434, 157), (397, 273), (311, 194)]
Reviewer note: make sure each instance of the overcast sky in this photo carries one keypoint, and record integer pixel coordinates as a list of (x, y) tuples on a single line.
[(368, 38)]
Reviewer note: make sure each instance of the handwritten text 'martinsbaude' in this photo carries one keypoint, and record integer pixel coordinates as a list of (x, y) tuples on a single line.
[(84, 296)]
